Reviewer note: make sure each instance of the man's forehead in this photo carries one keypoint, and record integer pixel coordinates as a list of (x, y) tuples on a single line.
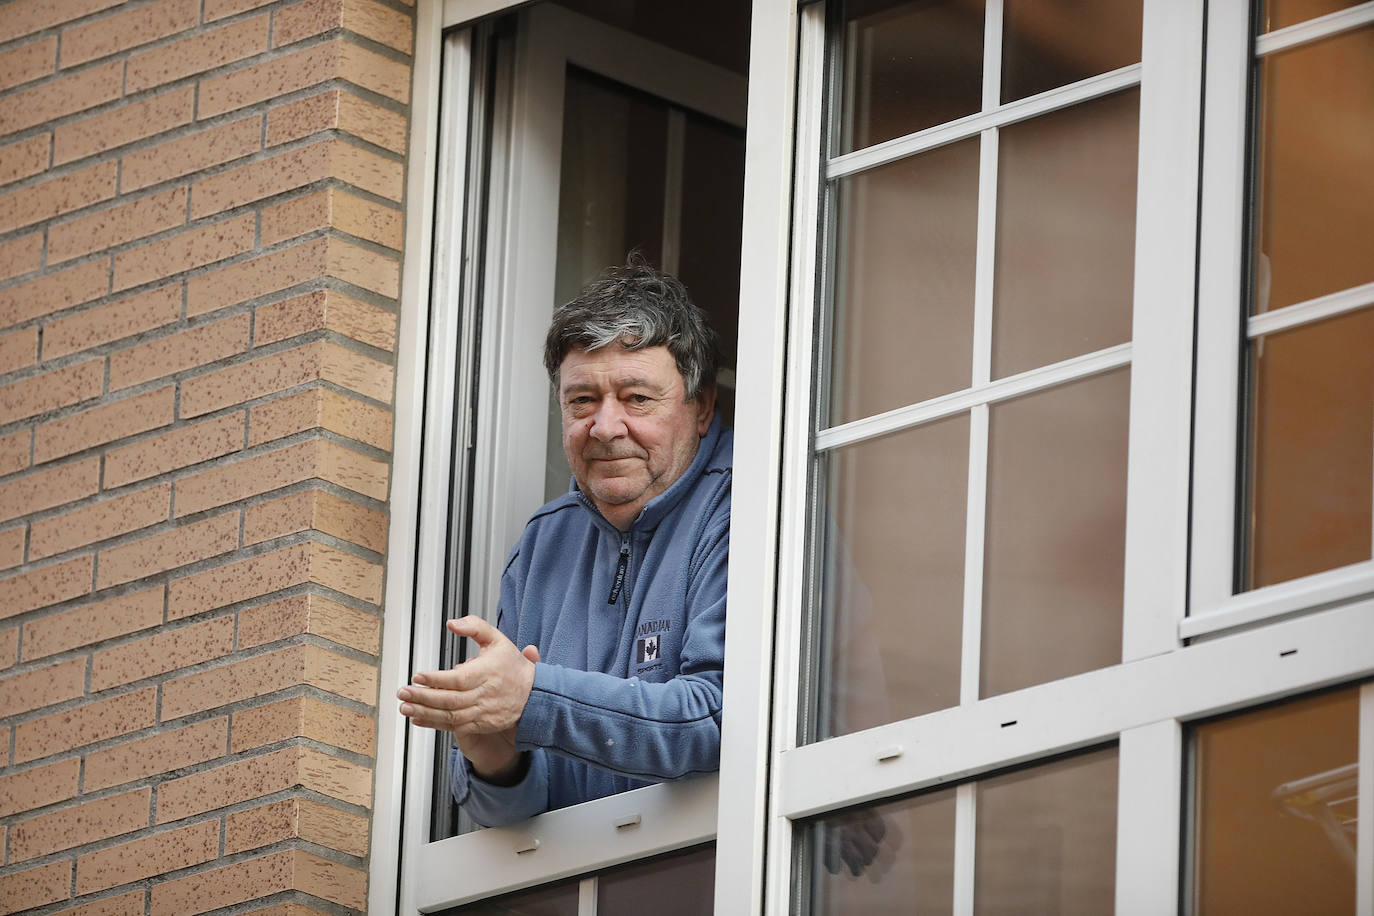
[(618, 367)]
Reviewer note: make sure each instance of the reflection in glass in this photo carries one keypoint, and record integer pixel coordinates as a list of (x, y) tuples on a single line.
[(1051, 43), (902, 330), (1065, 233), (1312, 449), (894, 858), (1046, 839), (1276, 14), (675, 885), (909, 66), (551, 900), (893, 574), (1056, 533), (1275, 796), (1314, 206)]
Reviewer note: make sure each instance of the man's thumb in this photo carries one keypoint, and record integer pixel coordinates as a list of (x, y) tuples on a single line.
[(531, 652)]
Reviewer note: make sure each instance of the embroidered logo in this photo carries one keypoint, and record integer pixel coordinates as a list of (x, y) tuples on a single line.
[(647, 644), (646, 650)]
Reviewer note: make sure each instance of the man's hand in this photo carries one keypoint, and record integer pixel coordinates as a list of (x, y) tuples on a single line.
[(479, 701)]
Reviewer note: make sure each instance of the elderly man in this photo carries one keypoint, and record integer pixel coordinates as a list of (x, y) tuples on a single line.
[(616, 590)]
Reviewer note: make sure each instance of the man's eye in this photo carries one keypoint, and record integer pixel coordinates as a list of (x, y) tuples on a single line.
[(640, 398)]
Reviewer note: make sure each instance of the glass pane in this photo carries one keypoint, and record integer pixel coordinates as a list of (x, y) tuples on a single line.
[(1065, 233), (1051, 43), (677, 885), (1046, 839), (554, 900), (1312, 449), (1279, 13), (903, 311), (1056, 533), (1314, 209), (1275, 802), (895, 858), (893, 577), (909, 66)]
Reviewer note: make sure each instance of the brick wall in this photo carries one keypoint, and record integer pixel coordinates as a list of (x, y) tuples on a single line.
[(200, 233)]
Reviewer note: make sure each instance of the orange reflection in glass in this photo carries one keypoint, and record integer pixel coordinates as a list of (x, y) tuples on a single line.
[(1277, 14)]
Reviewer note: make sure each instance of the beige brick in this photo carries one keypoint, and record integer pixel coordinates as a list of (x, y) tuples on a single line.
[(192, 248), (163, 652), (373, 123), (365, 268), (167, 550), (9, 654), (317, 510), (309, 614), (359, 373), (27, 62), (296, 217), (302, 69), (191, 153), (154, 855), (122, 31), (264, 178), (51, 390), (304, 717), (218, 9), (42, 687), (220, 887), (325, 825), (130, 904), (23, 890), (241, 680), (14, 456), (11, 555), (262, 826), (46, 585), (365, 169), (330, 880), (159, 753), (93, 623), (117, 225), (320, 407), (234, 782), (123, 318), (268, 273), (96, 522), (109, 422), (18, 349), (183, 350), (371, 70), (80, 824), (233, 582), (39, 786), (21, 255), (23, 158), (353, 471), (24, 17), (54, 292), (182, 447), (368, 220), (336, 109), (48, 488), (253, 379), (229, 483), (197, 54), (341, 675), (62, 96), (371, 20), (303, 117), (84, 725), (125, 124), (57, 196), (336, 778), (336, 208)]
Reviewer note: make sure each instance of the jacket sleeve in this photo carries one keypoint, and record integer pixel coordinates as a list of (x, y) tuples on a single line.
[(496, 806), (636, 728)]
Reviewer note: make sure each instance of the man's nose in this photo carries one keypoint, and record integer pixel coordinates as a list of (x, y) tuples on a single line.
[(609, 420)]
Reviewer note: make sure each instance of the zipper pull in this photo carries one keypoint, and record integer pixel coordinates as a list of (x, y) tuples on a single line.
[(620, 567)]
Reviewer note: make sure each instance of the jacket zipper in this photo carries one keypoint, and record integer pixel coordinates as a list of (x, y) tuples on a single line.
[(621, 566)]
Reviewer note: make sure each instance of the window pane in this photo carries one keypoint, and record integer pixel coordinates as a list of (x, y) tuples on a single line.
[(893, 577), (903, 312), (1314, 209), (1051, 43), (1056, 533), (676, 885), (554, 900), (1312, 449), (894, 858), (1065, 233), (1279, 13), (1046, 839), (909, 66), (1275, 806)]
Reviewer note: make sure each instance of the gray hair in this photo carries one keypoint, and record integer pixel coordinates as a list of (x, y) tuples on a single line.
[(636, 306)]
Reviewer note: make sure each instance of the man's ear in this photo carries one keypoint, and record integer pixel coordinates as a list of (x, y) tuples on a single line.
[(706, 406)]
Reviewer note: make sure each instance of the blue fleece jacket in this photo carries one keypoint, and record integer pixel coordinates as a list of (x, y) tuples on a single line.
[(631, 634)]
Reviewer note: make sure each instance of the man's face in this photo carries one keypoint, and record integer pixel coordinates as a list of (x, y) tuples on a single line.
[(628, 429)]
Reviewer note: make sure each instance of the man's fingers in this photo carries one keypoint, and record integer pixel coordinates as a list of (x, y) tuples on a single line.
[(531, 653), (436, 698), (477, 629)]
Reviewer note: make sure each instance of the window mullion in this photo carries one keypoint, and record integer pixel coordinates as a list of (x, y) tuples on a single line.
[(1364, 840), (965, 847), (1150, 802)]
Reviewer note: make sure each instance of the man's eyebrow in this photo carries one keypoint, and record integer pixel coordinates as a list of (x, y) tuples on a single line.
[(629, 381)]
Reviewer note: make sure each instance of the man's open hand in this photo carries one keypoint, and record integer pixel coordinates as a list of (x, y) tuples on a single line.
[(483, 695)]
